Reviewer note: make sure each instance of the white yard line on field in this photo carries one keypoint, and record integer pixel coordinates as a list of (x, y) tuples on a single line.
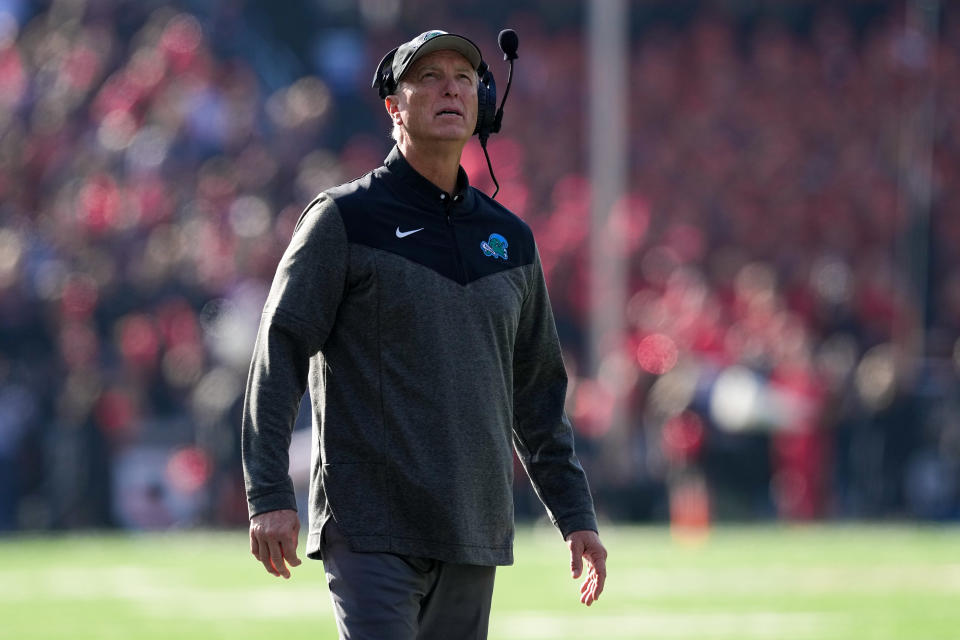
[(163, 592), (755, 625), (790, 580)]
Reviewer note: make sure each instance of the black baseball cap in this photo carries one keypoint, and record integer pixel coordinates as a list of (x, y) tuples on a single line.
[(397, 62)]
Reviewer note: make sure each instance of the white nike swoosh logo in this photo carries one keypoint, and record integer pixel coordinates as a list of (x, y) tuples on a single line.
[(404, 234)]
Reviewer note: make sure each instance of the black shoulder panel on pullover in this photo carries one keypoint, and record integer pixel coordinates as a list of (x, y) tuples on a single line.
[(464, 237)]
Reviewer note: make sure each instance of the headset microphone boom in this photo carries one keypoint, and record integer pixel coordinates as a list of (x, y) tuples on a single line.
[(489, 121)]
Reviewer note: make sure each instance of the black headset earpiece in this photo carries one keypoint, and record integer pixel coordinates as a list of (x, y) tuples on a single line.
[(383, 78), (486, 103)]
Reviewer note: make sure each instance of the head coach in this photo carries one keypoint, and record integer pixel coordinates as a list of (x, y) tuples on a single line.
[(414, 307)]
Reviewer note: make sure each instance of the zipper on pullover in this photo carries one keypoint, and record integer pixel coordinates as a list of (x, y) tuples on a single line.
[(448, 203)]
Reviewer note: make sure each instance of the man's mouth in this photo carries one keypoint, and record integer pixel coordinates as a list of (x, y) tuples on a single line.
[(449, 112)]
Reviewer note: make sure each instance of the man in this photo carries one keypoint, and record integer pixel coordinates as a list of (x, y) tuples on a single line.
[(415, 308)]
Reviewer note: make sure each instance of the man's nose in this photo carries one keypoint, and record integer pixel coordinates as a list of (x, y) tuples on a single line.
[(450, 86)]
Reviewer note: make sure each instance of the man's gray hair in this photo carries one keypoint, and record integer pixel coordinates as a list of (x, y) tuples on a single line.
[(396, 132)]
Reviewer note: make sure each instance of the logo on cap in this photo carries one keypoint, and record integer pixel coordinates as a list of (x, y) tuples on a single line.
[(427, 35)]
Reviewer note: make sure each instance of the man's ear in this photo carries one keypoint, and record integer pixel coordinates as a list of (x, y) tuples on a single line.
[(393, 108)]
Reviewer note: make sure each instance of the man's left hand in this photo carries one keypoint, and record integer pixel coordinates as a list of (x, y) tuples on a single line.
[(586, 545)]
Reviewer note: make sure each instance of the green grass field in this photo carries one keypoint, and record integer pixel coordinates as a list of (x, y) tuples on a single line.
[(778, 583)]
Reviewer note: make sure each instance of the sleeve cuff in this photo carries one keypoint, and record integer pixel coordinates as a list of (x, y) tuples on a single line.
[(271, 502), (577, 522)]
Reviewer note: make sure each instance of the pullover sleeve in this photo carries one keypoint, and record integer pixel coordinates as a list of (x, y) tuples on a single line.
[(296, 320), (543, 435)]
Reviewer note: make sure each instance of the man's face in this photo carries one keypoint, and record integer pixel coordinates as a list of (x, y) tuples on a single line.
[(437, 98)]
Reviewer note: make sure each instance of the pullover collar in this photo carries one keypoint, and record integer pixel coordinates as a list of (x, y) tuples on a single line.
[(462, 199)]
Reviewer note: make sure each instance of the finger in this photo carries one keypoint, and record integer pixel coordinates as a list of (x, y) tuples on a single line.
[(276, 559), (264, 557), (585, 590), (591, 591), (254, 546), (576, 558), (290, 551), (589, 594), (600, 565)]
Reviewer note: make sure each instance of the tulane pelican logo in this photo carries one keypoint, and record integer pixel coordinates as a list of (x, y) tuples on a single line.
[(429, 35), (495, 245)]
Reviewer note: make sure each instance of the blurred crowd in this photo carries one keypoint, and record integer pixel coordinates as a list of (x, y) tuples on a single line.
[(789, 235)]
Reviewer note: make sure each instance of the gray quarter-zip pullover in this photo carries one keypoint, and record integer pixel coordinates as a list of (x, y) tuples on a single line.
[(422, 325)]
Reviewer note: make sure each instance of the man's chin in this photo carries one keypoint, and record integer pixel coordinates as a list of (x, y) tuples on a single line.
[(450, 135)]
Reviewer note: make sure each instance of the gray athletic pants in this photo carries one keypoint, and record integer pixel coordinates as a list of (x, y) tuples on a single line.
[(383, 596)]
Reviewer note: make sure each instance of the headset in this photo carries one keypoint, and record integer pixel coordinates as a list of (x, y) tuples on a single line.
[(489, 118)]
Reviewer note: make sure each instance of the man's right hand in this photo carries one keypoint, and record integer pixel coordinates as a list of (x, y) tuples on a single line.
[(273, 540)]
